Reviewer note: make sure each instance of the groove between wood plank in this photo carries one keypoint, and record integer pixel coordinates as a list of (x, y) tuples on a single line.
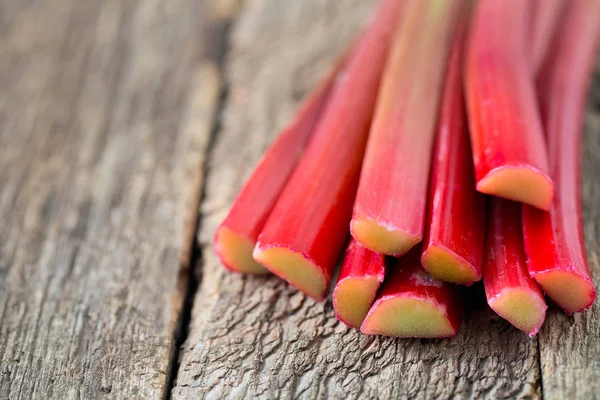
[(204, 108)]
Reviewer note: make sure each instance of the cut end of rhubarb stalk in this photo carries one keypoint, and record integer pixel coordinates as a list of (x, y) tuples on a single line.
[(382, 239), (570, 291), (352, 299), (295, 268), (444, 264), (525, 309), (407, 317), (523, 184), (235, 252)]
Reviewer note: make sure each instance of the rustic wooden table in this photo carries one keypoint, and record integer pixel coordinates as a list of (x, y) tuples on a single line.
[(120, 120)]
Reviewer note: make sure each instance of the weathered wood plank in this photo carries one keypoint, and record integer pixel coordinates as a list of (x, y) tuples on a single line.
[(570, 346), (105, 114), (254, 336)]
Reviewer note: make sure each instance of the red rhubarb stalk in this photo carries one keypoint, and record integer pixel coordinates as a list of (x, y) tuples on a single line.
[(236, 237), (506, 132), (545, 15), (509, 289), (455, 228), (554, 240), (389, 212), (306, 231), (414, 304), (361, 275)]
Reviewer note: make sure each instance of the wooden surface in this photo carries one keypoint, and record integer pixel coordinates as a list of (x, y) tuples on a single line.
[(119, 120), (103, 113)]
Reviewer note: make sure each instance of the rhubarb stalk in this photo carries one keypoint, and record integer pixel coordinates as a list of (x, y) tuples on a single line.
[(414, 304), (509, 289), (506, 132), (554, 240), (236, 237), (545, 15), (389, 212), (361, 275), (455, 228), (306, 231)]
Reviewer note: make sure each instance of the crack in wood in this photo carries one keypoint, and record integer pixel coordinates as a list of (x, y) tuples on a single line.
[(216, 35)]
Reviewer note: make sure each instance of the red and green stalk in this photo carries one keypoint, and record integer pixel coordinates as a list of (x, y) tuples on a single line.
[(455, 228), (414, 304), (554, 240), (361, 275), (509, 152), (509, 289), (389, 212), (236, 237), (545, 15), (308, 227)]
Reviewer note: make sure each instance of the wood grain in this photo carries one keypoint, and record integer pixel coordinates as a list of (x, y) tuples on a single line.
[(105, 114), (255, 337), (570, 346)]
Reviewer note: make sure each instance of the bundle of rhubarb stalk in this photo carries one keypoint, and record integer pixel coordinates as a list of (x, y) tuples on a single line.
[(442, 149)]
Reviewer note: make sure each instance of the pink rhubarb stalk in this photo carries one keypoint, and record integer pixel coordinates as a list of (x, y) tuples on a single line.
[(506, 132), (545, 15), (455, 228), (554, 240), (236, 237), (308, 227), (509, 289), (361, 275), (414, 304), (389, 212)]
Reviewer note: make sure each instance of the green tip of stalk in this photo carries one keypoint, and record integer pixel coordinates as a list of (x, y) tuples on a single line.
[(236, 252), (294, 268), (446, 265), (382, 239), (407, 317)]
